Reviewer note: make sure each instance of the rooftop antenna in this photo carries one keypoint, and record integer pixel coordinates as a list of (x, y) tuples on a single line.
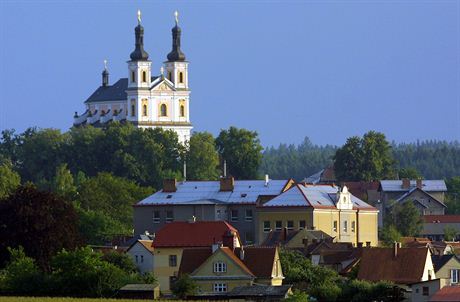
[(139, 16), (105, 64), (225, 168), (176, 16), (185, 170)]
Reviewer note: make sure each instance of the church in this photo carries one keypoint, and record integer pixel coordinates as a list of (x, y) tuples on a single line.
[(145, 100)]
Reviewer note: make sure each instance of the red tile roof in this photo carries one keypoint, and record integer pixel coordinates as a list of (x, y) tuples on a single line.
[(381, 264), (237, 260), (259, 260), (192, 258), (447, 294), (192, 234), (441, 218)]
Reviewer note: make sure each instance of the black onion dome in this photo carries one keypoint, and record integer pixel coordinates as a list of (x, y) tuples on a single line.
[(176, 53), (139, 54)]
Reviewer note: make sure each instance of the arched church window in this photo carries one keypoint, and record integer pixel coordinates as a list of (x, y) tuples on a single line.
[(144, 110), (133, 77), (182, 110), (144, 77), (163, 110), (170, 75), (181, 77), (133, 110)]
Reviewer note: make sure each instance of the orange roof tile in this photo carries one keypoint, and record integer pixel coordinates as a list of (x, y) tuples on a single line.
[(447, 294), (441, 218)]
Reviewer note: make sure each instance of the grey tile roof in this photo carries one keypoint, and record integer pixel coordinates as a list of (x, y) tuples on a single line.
[(427, 185), (208, 192)]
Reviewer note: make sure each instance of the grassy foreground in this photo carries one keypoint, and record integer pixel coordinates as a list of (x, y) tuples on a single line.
[(48, 299)]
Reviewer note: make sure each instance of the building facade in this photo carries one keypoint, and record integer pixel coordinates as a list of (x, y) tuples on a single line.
[(144, 99)]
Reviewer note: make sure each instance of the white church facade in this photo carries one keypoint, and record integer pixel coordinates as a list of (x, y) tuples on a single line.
[(144, 100)]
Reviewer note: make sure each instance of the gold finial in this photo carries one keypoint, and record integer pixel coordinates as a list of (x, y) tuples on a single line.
[(176, 15), (139, 16), (105, 64)]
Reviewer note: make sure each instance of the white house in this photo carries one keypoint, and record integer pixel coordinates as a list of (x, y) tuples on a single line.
[(141, 252)]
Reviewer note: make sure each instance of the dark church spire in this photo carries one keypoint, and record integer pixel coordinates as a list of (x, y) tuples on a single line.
[(139, 54), (176, 54)]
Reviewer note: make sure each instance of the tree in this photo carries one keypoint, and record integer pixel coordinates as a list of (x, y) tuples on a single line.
[(202, 157), (21, 276), (41, 222), (364, 159), (363, 291), (241, 150), (120, 260), (297, 296), (406, 218), (390, 234), (63, 183), (184, 287), (453, 195), (9, 180), (409, 173), (84, 273), (97, 228), (450, 233)]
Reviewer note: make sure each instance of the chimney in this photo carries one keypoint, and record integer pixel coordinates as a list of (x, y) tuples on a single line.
[(405, 183), (227, 184), (267, 180), (284, 236), (242, 254), (360, 244), (169, 185), (228, 240), (305, 242), (368, 244), (395, 249), (419, 183), (192, 220)]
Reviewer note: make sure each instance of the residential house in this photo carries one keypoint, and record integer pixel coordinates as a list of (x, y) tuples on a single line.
[(423, 291), (141, 252), (295, 239), (226, 199), (435, 225), (171, 240), (436, 247), (447, 267), (220, 269), (364, 190), (447, 294), (320, 207), (427, 194), (403, 266)]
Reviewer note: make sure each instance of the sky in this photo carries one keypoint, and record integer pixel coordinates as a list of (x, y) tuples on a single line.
[(286, 69)]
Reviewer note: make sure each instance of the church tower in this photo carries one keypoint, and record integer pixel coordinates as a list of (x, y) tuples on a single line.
[(139, 76), (177, 66)]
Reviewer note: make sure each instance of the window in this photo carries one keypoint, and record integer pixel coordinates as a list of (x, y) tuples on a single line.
[(220, 287), (335, 226), (454, 275), (302, 224), (181, 77), (163, 110), (426, 291), (142, 258), (144, 77), (144, 110), (133, 110), (248, 216), (290, 225), (266, 226), (137, 259), (249, 238), (220, 267), (234, 216), (218, 214), (345, 226), (169, 75), (173, 260), (278, 225), (353, 226), (156, 216), (169, 216), (182, 110), (133, 76), (172, 281)]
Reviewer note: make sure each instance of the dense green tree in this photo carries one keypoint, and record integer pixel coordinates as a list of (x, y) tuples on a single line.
[(409, 173), (111, 196), (364, 159), (363, 291), (84, 273), (390, 234), (9, 179), (63, 183), (297, 296), (450, 233), (241, 149), (21, 276), (406, 218), (184, 287), (453, 195), (202, 157), (41, 222), (120, 260), (97, 228)]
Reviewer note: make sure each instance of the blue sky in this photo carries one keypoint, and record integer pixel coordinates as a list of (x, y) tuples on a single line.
[(287, 69)]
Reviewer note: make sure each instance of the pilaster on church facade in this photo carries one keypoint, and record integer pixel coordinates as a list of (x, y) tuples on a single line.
[(145, 100)]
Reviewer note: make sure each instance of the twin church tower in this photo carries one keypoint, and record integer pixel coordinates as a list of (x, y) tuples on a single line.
[(142, 99)]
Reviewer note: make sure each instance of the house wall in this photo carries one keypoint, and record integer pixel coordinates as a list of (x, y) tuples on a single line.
[(161, 268), (245, 227), (444, 272), (435, 231), (417, 290), (367, 227), (432, 207), (144, 260)]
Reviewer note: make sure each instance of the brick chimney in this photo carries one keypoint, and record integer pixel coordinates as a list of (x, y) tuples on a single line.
[(396, 247), (360, 245), (228, 240), (419, 183), (169, 185), (405, 183), (227, 184)]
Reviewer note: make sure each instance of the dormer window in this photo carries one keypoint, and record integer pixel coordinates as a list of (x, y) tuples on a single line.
[(220, 267)]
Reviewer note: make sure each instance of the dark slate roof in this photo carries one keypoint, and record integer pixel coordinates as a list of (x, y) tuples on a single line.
[(440, 260)]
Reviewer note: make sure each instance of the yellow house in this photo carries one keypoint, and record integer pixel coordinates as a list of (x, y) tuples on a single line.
[(221, 269), (320, 207), (174, 237)]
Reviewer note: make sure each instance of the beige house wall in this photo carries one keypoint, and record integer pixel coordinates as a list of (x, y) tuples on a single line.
[(161, 268), (444, 271)]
